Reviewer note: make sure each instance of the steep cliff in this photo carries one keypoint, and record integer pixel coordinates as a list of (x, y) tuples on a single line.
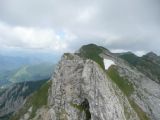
[(94, 84), (82, 90), (13, 98)]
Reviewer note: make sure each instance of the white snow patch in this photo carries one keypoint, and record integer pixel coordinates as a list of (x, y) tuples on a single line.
[(108, 63)]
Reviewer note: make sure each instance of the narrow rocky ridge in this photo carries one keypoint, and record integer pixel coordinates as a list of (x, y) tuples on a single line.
[(83, 90), (77, 80)]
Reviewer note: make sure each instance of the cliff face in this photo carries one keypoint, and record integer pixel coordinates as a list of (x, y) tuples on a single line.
[(146, 92), (99, 85), (81, 90)]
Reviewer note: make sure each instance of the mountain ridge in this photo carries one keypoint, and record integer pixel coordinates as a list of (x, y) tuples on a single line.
[(83, 89)]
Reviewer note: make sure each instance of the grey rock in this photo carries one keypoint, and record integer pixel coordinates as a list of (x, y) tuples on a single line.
[(78, 80), (146, 91), (82, 90)]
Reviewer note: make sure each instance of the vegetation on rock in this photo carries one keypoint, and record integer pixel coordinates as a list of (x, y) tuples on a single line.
[(35, 101)]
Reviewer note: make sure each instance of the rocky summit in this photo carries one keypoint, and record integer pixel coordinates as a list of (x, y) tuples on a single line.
[(95, 84), (81, 90)]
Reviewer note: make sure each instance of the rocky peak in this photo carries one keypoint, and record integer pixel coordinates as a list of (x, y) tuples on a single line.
[(151, 56), (81, 90)]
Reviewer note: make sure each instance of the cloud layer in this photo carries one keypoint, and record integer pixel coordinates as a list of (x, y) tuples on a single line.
[(65, 25)]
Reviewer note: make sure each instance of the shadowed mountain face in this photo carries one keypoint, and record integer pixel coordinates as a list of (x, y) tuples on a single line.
[(83, 88), (12, 99)]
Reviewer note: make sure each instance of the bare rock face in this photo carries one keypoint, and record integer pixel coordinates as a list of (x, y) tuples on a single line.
[(147, 91), (81, 90), (13, 98)]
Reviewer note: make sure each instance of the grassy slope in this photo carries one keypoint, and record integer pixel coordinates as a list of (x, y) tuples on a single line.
[(36, 101), (92, 52), (131, 58), (127, 89), (122, 83)]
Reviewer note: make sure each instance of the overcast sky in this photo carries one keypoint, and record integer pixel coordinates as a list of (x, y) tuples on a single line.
[(64, 25)]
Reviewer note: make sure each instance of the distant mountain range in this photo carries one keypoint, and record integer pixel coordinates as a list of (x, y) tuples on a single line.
[(10, 62), (29, 73), (15, 69), (148, 64)]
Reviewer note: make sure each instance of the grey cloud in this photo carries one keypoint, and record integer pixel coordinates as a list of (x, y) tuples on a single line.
[(116, 24)]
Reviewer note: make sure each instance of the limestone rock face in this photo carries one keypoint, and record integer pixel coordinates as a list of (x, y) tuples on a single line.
[(9, 103), (13, 98), (81, 90), (147, 91)]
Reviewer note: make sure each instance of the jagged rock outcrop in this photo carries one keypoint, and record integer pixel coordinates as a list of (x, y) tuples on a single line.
[(13, 98), (81, 90), (146, 91)]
